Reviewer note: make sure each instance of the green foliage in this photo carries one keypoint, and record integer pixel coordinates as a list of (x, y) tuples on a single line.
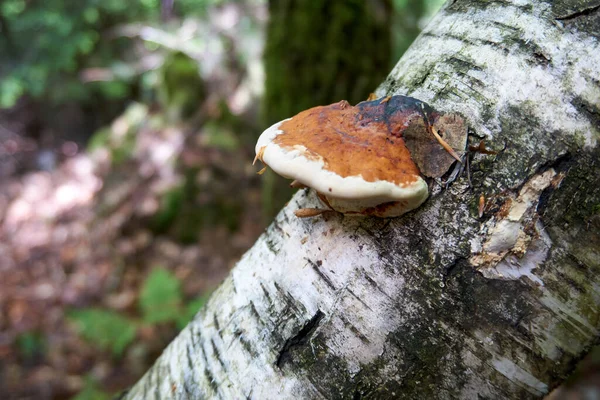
[(216, 135), (45, 45), (160, 297), (91, 391), (106, 329), (47, 42), (410, 16), (30, 344), (180, 213), (121, 141), (161, 300), (170, 205), (99, 140), (182, 89)]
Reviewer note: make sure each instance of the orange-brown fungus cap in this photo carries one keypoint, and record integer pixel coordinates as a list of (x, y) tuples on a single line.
[(363, 140)]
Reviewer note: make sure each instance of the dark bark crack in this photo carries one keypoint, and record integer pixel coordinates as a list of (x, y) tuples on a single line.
[(579, 13), (589, 110), (453, 267), (299, 340)]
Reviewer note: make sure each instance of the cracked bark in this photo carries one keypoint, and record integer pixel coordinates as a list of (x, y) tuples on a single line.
[(439, 303)]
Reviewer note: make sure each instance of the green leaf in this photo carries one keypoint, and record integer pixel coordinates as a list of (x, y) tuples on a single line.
[(91, 15), (99, 140), (12, 8), (106, 329), (91, 391), (11, 88), (160, 297), (113, 89), (171, 203), (30, 344)]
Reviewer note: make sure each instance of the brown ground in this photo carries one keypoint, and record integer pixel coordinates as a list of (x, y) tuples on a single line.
[(84, 235)]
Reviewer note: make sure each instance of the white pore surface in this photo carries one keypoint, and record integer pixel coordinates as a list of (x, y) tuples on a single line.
[(294, 165)]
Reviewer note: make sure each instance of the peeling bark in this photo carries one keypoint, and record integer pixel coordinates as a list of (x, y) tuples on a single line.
[(439, 303)]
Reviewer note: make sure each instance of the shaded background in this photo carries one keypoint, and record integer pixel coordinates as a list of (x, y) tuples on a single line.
[(127, 133)]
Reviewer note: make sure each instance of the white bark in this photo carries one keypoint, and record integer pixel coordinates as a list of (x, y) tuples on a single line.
[(438, 303)]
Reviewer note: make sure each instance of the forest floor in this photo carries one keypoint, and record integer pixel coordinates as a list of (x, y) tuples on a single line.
[(109, 246), (87, 234)]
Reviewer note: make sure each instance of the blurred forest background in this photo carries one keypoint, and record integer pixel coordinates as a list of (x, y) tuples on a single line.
[(127, 190)]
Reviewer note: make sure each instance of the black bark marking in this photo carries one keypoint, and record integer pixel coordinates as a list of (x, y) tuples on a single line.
[(541, 58), (289, 300), (277, 226), (246, 344), (200, 348), (156, 379), (217, 325), (212, 382), (505, 26), (376, 285), (255, 313), (266, 293), (579, 13), (271, 246), (149, 383), (589, 110), (195, 335), (463, 63), (472, 81), (354, 329), (300, 339), (217, 354), (359, 299), (475, 42), (456, 6), (186, 382), (356, 236), (188, 356), (292, 303), (315, 266), (278, 288), (186, 389), (423, 78)]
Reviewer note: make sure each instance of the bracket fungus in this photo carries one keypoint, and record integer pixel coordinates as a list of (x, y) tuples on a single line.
[(371, 159)]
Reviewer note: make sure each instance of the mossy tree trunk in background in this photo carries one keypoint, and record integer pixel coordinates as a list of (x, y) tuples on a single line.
[(451, 301), (319, 52), (406, 24), (322, 51)]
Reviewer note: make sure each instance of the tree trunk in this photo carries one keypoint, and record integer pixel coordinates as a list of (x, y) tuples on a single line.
[(440, 303), (321, 51)]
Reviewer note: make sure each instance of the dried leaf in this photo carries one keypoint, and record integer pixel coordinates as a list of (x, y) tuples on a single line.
[(431, 157)]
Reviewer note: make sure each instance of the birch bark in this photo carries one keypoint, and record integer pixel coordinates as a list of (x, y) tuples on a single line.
[(440, 303)]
